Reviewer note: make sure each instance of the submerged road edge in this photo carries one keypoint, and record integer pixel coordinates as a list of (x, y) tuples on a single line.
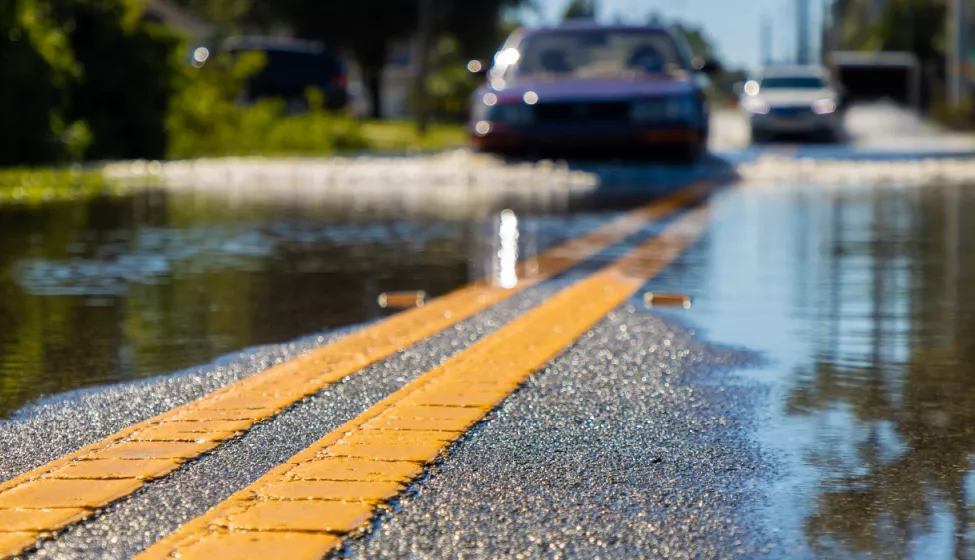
[(333, 488)]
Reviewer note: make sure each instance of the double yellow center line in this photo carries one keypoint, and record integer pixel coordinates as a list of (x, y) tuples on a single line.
[(64, 491), (333, 487)]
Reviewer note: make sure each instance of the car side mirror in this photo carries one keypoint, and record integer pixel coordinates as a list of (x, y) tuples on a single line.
[(478, 68)]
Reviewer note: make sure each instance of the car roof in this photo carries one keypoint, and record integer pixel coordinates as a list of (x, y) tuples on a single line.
[(275, 44), (589, 25)]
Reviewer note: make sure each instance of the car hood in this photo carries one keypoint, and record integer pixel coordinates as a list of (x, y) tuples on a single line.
[(595, 89), (796, 96)]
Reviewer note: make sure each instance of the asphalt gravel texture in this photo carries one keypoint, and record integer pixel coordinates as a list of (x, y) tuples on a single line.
[(132, 524), (53, 427), (49, 430), (623, 447), (40, 433)]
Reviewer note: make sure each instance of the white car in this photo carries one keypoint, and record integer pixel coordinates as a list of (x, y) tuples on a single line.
[(797, 100)]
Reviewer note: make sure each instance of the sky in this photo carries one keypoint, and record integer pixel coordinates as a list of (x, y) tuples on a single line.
[(733, 25)]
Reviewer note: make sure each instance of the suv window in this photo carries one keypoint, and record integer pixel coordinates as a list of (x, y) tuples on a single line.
[(793, 82)]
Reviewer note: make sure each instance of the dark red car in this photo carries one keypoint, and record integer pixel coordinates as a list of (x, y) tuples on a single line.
[(590, 88)]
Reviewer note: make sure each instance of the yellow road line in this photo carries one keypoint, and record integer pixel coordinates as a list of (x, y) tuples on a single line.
[(333, 487), (71, 488)]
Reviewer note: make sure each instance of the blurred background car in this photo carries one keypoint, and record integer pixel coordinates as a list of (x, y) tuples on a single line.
[(291, 68), (793, 100), (581, 86)]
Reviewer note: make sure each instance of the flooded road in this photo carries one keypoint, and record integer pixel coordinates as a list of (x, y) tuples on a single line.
[(858, 298), (114, 289), (862, 300)]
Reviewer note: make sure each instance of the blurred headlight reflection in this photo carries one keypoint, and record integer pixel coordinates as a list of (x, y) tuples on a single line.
[(755, 105), (508, 253), (200, 56), (824, 106)]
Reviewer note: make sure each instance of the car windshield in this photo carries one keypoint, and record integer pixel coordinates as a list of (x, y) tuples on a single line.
[(284, 66), (597, 53), (793, 82)]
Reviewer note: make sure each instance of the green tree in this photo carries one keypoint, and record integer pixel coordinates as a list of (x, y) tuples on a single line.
[(130, 73), (701, 45), (697, 39), (366, 28), (83, 78), (369, 28), (37, 64), (450, 85), (229, 16), (580, 9), (916, 26)]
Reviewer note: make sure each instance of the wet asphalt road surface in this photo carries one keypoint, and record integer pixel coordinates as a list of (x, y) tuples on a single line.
[(815, 401)]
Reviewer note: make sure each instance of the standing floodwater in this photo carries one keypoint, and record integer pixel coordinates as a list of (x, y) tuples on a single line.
[(113, 289), (120, 288), (863, 300)]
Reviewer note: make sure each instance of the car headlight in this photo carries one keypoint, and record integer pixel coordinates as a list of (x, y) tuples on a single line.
[(755, 105), (670, 108), (516, 114), (824, 106)]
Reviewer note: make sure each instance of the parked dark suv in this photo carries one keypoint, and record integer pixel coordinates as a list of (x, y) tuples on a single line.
[(292, 67)]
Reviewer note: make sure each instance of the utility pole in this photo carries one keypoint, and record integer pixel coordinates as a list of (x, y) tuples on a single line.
[(802, 31), (826, 35), (766, 41), (422, 99), (955, 54)]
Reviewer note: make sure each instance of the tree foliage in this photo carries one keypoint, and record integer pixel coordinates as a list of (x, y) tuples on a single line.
[(580, 9), (916, 26), (82, 78), (206, 120), (93, 79), (697, 39), (369, 28), (229, 16)]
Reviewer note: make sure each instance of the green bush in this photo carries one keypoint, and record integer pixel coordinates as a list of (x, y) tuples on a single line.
[(961, 118), (91, 79), (206, 118), (450, 85), (36, 186)]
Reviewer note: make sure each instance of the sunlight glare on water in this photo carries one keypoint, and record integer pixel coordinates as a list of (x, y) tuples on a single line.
[(508, 253)]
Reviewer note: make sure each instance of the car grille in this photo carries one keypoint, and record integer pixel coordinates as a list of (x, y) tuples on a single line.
[(609, 111), (791, 111)]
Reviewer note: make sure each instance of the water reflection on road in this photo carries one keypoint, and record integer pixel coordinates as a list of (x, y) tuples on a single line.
[(106, 290), (864, 301)]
